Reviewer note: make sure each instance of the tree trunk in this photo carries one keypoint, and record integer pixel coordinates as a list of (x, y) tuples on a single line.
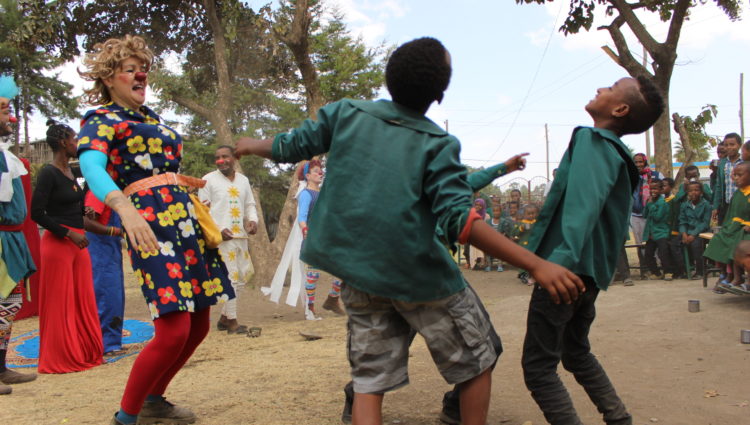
[(663, 142)]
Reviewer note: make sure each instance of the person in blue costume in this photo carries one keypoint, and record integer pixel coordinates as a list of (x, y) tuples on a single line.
[(106, 265), (129, 158), (15, 260)]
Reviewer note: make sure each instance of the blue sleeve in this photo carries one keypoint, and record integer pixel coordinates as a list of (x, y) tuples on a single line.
[(303, 207), (93, 167)]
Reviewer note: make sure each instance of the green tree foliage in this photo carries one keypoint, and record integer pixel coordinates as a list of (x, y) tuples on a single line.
[(663, 54), (698, 141), (33, 42)]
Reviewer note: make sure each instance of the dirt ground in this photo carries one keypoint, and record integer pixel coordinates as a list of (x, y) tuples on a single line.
[(670, 366)]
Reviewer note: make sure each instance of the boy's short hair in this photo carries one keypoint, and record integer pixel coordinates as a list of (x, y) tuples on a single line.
[(646, 106), (691, 168), (655, 180), (418, 73), (668, 180), (734, 136), (699, 184), (746, 146)]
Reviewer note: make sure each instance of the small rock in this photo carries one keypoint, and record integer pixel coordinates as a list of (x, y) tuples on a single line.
[(654, 420)]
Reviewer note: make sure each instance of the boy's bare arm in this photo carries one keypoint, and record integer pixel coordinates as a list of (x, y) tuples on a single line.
[(560, 282), (250, 146)]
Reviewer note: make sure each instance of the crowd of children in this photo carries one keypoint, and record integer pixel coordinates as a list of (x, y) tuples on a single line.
[(511, 219), (674, 222)]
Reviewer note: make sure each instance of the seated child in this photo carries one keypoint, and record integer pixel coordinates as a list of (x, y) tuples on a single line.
[(742, 257), (695, 218), (693, 174), (674, 240), (734, 228), (656, 233), (582, 225), (368, 143)]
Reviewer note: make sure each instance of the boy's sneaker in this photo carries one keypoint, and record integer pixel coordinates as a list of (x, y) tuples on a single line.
[(654, 276), (488, 268), (346, 414), (162, 411), (451, 413), (668, 277), (500, 269)]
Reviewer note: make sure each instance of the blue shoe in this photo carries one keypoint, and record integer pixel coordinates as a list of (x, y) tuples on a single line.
[(500, 269), (487, 268)]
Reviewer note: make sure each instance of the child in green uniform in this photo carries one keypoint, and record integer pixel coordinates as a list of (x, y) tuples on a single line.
[(388, 157), (674, 241), (581, 226), (695, 218), (656, 233), (522, 231), (496, 222), (734, 229)]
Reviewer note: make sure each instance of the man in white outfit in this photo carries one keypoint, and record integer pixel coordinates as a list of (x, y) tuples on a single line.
[(230, 198)]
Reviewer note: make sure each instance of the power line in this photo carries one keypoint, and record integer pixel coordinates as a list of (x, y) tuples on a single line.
[(533, 80)]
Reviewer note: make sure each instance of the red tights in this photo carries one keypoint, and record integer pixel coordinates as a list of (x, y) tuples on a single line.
[(177, 335)]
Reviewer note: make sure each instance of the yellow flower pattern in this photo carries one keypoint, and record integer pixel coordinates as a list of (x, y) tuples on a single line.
[(165, 218), (154, 145), (184, 274), (186, 289), (135, 144), (106, 131), (177, 211)]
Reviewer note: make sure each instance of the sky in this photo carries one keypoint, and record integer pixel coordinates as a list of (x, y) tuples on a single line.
[(514, 72)]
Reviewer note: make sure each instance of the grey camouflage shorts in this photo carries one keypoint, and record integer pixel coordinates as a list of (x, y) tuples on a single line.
[(380, 330)]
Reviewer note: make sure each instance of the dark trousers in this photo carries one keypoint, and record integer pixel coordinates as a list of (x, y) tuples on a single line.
[(560, 332), (695, 250), (675, 254), (721, 212), (660, 246), (623, 270)]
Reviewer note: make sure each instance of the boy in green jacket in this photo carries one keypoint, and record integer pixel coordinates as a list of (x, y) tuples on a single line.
[(695, 218), (388, 157), (581, 226), (657, 232)]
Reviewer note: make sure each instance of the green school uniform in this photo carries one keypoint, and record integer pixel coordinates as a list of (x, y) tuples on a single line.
[(721, 247), (393, 178), (676, 202), (719, 194), (585, 217), (656, 214), (522, 232), (695, 219)]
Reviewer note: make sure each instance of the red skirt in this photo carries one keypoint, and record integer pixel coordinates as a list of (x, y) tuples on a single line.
[(70, 338)]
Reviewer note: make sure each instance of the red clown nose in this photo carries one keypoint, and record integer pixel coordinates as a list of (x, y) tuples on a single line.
[(140, 76), (13, 119), (219, 161)]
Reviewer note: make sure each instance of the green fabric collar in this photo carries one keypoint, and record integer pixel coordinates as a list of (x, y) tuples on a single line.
[(396, 114)]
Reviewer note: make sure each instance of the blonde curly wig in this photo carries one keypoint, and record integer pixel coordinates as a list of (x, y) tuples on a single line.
[(104, 61)]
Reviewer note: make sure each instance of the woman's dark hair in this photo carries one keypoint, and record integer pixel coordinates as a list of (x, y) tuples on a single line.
[(56, 133), (418, 73)]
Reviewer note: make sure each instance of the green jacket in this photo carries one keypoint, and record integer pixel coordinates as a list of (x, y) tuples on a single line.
[(677, 201), (718, 193), (656, 214), (393, 178), (587, 211), (695, 219)]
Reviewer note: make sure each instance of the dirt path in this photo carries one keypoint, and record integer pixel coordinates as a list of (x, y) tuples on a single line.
[(664, 362)]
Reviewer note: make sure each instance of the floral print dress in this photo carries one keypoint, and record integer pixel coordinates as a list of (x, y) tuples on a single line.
[(184, 274)]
